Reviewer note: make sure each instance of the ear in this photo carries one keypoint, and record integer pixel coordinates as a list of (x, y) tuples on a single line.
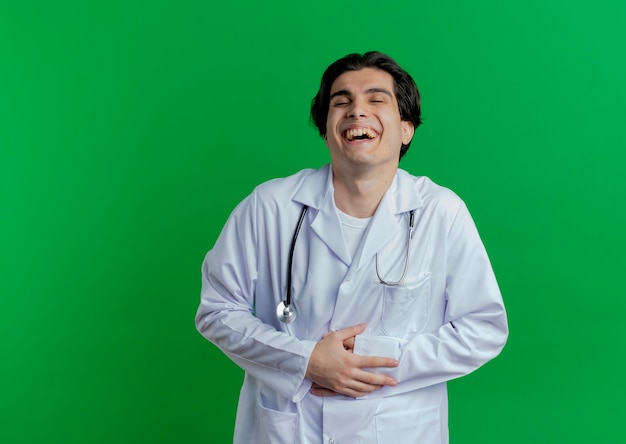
[(407, 131)]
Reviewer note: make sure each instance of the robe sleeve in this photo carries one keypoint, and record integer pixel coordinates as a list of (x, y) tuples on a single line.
[(226, 313)]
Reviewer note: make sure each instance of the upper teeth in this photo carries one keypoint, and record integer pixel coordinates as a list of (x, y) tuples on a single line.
[(356, 132)]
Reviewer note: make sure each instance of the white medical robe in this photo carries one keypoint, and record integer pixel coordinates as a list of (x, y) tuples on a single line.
[(446, 320)]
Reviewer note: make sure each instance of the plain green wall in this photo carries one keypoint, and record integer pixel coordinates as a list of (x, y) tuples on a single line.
[(130, 129)]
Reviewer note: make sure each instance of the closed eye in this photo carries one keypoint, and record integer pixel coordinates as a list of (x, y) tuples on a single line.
[(379, 96)]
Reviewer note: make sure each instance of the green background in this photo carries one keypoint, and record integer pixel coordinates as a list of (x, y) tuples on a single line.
[(130, 129)]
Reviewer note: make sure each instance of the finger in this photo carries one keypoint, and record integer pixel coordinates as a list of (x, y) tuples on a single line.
[(374, 380), (353, 388), (349, 332), (324, 392), (375, 361), (321, 391), (360, 382)]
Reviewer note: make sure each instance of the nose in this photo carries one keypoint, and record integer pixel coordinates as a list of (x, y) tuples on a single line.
[(357, 109)]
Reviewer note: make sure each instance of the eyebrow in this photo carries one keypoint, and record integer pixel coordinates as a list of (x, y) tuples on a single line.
[(345, 92)]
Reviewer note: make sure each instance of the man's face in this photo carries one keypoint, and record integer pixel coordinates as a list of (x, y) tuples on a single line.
[(363, 128)]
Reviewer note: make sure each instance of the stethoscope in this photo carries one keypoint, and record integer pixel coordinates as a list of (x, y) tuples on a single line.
[(286, 313)]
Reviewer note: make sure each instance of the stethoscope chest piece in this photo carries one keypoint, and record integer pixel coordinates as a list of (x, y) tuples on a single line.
[(285, 313)]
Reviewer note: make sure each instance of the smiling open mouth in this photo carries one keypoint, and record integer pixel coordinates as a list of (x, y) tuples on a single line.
[(360, 134)]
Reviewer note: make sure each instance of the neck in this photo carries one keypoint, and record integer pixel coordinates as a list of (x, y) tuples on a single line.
[(359, 194)]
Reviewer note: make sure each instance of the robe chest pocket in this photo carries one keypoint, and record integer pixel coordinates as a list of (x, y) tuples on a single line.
[(406, 307)]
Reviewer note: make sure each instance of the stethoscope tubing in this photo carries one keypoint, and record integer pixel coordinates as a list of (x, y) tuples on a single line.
[(286, 313), (291, 250), (406, 259)]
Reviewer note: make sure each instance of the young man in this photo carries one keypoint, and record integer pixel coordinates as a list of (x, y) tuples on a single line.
[(351, 294)]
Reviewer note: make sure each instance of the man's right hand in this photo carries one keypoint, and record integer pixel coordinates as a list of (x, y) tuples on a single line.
[(335, 370)]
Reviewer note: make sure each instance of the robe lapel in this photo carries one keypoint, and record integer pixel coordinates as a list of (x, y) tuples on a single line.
[(390, 219), (317, 193)]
